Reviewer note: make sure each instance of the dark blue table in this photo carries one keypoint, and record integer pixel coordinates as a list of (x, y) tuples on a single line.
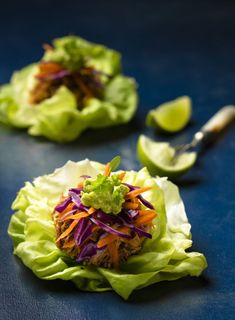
[(172, 48)]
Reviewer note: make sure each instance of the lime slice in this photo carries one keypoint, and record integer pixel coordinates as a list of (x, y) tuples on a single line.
[(171, 116), (160, 159)]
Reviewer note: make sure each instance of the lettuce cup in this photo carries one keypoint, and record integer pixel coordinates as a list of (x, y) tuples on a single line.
[(103, 230), (76, 85)]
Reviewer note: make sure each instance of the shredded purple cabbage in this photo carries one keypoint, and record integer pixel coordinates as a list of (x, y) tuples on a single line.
[(130, 186), (85, 176), (63, 205), (87, 251), (76, 190), (106, 218), (128, 222), (83, 231), (141, 232), (125, 218), (109, 229), (77, 201), (145, 202), (68, 214), (131, 213), (125, 223)]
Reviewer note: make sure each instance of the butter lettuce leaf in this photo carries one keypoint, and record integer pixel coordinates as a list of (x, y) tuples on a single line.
[(164, 257), (73, 52), (58, 118)]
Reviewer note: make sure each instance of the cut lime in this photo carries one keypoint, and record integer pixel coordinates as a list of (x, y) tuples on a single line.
[(171, 116), (160, 159)]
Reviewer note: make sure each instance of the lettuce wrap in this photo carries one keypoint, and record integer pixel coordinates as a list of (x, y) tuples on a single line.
[(82, 87), (164, 257)]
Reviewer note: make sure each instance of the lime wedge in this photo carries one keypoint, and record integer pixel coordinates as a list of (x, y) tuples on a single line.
[(171, 116), (160, 159)]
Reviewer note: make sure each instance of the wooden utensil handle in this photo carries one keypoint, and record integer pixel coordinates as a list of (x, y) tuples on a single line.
[(220, 120)]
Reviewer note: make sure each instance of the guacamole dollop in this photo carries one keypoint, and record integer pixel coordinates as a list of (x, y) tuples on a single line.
[(105, 193)]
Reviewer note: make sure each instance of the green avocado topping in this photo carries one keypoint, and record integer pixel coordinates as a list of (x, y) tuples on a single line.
[(105, 193)]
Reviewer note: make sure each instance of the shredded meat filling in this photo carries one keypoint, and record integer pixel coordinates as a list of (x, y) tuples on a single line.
[(83, 84), (126, 247)]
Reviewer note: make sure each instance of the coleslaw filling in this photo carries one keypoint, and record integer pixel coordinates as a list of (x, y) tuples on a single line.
[(84, 83), (92, 234)]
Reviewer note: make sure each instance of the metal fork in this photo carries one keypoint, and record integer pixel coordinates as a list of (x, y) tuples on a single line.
[(217, 123)]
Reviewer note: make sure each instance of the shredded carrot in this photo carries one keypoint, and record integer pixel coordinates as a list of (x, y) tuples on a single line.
[(130, 205), (64, 216), (135, 200), (146, 219), (113, 251), (94, 228), (49, 67), (62, 197), (69, 244), (47, 47), (79, 215), (122, 175), (111, 237), (76, 216), (80, 184), (136, 192), (144, 212), (67, 231), (91, 210), (93, 233), (67, 209), (107, 170), (108, 239)]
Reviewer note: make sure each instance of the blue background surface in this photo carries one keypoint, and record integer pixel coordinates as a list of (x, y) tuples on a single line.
[(171, 48)]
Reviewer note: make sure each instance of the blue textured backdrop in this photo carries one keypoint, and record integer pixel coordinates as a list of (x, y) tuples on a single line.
[(171, 48)]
